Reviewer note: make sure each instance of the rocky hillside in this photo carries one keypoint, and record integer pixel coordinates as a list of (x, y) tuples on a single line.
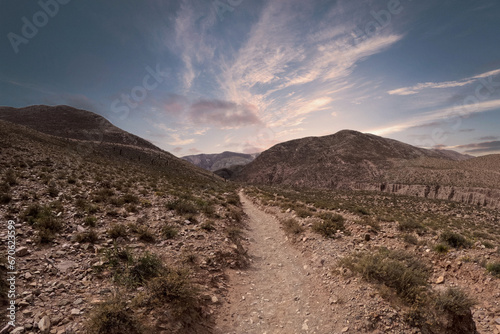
[(113, 238), (68, 122), (331, 161), (213, 162), (353, 160)]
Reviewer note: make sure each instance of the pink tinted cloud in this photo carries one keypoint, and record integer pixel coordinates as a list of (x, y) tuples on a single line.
[(224, 114)]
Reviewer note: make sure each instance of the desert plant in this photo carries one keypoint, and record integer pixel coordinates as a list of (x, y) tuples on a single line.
[(10, 177), (90, 221), (174, 288), (292, 226), (303, 212), (113, 317), (145, 234), (147, 266), (441, 248), (329, 225), (53, 190), (87, 236), (410, 239), (395, 269), (208, 226), (454, 301), (116, 231), (454, 240), (169, 231), (182, 207), (494, 268), (410, 225)]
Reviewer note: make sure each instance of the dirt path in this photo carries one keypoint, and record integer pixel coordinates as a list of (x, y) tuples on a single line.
[(278, 293)]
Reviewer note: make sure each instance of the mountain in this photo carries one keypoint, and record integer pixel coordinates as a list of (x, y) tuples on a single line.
[(213, 162), (68, 122), (93, 219), (333, 160), (88, 134), (353, 160)]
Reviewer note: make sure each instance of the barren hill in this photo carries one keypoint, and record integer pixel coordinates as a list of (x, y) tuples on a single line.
[(213, 162), (331, 161), (68, 122), (353, 160)]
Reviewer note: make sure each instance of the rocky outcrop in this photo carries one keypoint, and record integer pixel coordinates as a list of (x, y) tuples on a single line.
[(478, 196)]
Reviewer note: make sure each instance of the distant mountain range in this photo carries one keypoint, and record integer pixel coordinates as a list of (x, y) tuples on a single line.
[(345, 160), (213, 162)]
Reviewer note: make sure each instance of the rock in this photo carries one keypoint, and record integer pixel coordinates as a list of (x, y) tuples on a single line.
[(345, 329), (75, 311), (333, 299), (65, 265), (215, 299), (440, 280), (44, 324), (17, 330), (497, 321), (80, 228), (22, 251)]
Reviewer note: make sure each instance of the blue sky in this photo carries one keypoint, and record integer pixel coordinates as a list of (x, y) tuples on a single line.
[(209, 76)]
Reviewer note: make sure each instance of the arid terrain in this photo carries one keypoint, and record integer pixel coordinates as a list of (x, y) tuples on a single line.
[(117, 236)]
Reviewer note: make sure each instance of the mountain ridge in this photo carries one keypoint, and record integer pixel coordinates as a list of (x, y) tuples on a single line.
[(217, 161), (72, 123)]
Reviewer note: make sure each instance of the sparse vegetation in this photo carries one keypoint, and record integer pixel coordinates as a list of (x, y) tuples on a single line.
[(441, 248), (292, 226), (494, 268), (89, 236), (113, 317), (169, 231), (454, 240), (329, 225), (117, 231), (398, 270)]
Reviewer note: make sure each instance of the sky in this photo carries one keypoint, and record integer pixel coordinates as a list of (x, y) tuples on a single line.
[(237, 75)]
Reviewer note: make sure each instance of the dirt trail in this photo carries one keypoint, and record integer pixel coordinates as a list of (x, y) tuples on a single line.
[(278, 293)]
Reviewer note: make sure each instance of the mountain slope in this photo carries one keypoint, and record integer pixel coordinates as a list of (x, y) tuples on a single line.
[(213, 162), (352, 160), (81, 208), (68, 122), (330, 161)]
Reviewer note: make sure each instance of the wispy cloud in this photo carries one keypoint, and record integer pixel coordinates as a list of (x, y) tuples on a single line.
[(316, 63), (480, 148), (434, 117), (445, 84)]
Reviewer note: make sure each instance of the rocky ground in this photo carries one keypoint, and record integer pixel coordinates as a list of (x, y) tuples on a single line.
[(113, 246), (296, 285)]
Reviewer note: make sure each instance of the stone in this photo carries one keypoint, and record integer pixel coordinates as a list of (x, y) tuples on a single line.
[(44, 324), (75, 311), (333, 300), (497, 321), (215, 299), (17, 330), (440, 280), (345, 329), (22, 251)]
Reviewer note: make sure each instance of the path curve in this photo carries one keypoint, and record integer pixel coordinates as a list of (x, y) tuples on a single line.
[(278, 293)]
